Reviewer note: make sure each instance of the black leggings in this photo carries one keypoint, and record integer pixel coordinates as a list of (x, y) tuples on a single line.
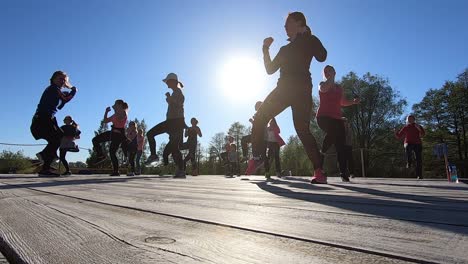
[(192, 148), (64, 161), (417, 149), (298, 96), (349, 158), (175, 129), (117, 137), (273, 152), (46, 127), (334, 135)]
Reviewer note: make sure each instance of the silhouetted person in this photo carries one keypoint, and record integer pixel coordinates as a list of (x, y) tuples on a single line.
[(116, 135), (44, 124), (70, 134), (412, 133), (329, 119), (174, 126), (192, 133), (294, 89)]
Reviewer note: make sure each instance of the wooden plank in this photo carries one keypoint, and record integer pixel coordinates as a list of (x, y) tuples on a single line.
[(191, 241), (35, 233), (424, 220)]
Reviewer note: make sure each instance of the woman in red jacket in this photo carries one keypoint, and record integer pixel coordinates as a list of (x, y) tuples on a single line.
[(412, 133)]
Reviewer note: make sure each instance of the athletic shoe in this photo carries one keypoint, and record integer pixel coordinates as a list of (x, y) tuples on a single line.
[(180, 174), (151, 159), (114, 174), (67, 173), (130, 174), (253, 165), (137, 173), (420, 177), (47, 174), (344, 177), (319, 177)]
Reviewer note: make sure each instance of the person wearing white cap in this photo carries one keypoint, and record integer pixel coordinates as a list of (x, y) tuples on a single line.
[(174, 126)]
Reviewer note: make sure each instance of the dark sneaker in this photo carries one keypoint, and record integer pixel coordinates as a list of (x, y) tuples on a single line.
[(130, 174), (114, 174), (47, 174), (319, 177), (67, 173), (253, 165), (344, 177)]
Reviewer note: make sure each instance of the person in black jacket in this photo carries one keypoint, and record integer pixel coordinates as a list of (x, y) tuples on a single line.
[(70, 134), (44, 125), (294, 89)]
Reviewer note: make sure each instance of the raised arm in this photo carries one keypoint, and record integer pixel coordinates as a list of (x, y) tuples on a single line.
[(320, 53), (107, 119), (271, 66)]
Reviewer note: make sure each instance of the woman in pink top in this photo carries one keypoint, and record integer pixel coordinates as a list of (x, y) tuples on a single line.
[(329, 119), (116, 135), (412, 133)]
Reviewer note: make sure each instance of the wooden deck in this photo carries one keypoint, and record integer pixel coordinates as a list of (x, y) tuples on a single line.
[(213, 219)]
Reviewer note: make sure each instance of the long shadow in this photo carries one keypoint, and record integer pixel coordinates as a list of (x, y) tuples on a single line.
[(424, 214), (55, 182), (427, 199), (462, 188)]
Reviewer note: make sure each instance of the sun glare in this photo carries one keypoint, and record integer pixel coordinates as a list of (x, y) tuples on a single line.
[(242, 78)]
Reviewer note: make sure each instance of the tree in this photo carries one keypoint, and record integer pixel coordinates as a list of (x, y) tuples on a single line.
[(294, 158), (375, 118)]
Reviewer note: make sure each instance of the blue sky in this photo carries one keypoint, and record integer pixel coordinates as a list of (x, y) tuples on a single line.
[(122, 49)]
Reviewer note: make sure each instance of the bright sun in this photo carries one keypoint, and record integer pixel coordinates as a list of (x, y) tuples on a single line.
[(242, 78)]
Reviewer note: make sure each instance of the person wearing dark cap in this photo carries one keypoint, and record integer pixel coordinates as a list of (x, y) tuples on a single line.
[(174, 125)]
